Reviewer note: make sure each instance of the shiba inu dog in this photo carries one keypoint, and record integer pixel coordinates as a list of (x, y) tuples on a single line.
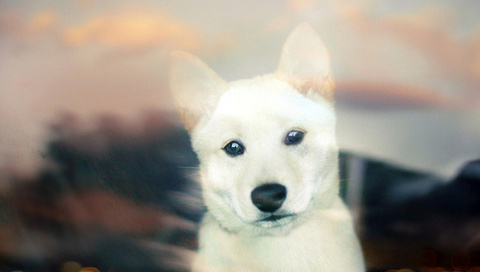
[(268, 164)]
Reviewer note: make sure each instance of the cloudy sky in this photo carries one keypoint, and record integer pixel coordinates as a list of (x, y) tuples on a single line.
[(408, 73)]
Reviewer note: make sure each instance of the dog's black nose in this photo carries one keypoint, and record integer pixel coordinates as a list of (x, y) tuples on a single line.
[(269, 197)]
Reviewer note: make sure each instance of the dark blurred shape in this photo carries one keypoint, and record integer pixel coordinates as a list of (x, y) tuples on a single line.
[(116, 197), (144, 164), (408, 215)]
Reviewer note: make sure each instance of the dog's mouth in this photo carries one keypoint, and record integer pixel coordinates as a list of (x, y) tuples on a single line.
[(274, 218)]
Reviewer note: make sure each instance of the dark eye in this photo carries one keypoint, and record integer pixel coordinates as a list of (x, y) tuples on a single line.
[(234, 148), (294, 137)]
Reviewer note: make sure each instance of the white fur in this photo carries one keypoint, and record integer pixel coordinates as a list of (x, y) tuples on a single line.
[(259, 113)]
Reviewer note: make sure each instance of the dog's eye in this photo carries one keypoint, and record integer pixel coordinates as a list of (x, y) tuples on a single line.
[(234, 148), (294, 137)]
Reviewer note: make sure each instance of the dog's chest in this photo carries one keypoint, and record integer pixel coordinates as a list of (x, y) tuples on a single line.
[(317, 245)]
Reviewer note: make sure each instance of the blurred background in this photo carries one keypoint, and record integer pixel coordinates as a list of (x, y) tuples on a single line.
[(96, 170)]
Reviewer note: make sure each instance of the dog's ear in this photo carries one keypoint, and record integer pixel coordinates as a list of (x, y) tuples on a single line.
[(195, 87), (305, 63)]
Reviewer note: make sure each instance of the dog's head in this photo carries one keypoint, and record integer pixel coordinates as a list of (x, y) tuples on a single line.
[(267, 147)]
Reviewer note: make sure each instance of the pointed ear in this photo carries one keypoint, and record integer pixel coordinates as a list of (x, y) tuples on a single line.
[(195, 87), (305, 63)]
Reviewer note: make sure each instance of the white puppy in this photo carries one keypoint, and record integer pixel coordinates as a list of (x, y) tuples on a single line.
[(268, 164)]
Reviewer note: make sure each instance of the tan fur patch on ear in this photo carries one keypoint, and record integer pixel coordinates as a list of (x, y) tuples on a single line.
[(189, 120), (311, 87)]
